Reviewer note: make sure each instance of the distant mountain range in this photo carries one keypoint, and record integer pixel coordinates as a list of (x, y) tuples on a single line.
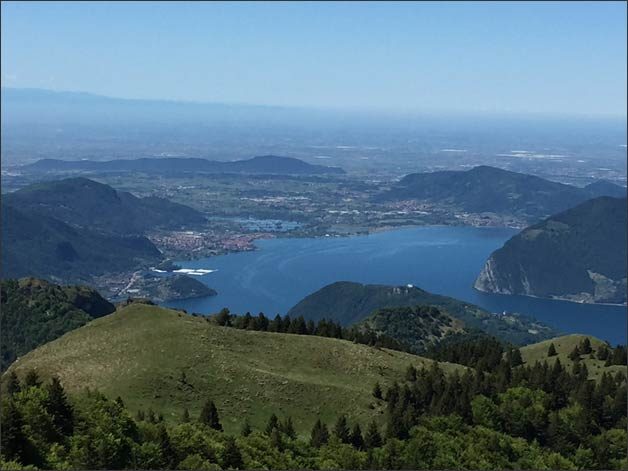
[(350, 303), (579, 254), (490, 189), (266, 164)]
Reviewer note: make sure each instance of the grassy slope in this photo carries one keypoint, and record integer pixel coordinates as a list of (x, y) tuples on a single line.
[(564, 346), (140, 351)]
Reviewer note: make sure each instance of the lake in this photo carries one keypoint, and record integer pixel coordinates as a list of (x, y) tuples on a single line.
[(443, 260)]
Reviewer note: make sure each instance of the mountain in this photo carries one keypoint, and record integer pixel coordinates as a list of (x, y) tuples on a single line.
[(166, 360), (348, 303), (605, 188), (490, 189), (579, 254), (35, 312), (418, 327), (95, 206), (34, 244), (266, 164)]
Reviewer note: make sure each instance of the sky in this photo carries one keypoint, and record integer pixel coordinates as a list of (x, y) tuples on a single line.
[(467, 57)]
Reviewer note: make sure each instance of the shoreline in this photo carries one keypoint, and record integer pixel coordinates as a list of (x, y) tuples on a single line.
[(367, 232), (554, 298)]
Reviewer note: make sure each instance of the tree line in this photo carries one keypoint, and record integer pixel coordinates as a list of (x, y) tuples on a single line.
[(298, 325), (560, 409)]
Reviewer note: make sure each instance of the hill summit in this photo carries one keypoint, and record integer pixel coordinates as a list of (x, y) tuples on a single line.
[(579, 255), (491, 189), (349, 303)]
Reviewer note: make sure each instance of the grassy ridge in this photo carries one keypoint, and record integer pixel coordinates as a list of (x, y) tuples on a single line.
[(564, 346), (141, 351)]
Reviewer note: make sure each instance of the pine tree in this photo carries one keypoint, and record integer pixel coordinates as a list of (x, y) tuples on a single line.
[(246, 428), (185, 418), (585, 346), (58, 406), (319, 435), (377, 391), (515, 358), (551, 351), (231, 456), (209, 416), (262, 322), (311, 327), (606, 385), (273, 423), (276, 325), (341, 430), (288, 428), (602, 352), (575, 354), (13, 384), (32, 379), (13, 442), (223, 317), (411, 373), (301, 326), (248, 322), (276, 440), (139, 416), (356, 437), (150, 416), (619, 355), (372, 438), (168, 455)]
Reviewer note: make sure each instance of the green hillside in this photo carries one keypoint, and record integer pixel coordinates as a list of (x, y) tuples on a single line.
[(349, 302), (418, 327), (564, 346), (167, 360), (490, 189), (35, 312), (579, 254), (42, 246)]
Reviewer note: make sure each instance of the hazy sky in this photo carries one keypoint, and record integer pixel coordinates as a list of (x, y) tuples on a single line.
[(508, 57)]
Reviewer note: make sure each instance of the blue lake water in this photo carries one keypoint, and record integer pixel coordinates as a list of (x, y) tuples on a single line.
[(443, 260)]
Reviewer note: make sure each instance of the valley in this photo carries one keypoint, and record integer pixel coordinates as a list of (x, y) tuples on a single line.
[(313, 236)]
